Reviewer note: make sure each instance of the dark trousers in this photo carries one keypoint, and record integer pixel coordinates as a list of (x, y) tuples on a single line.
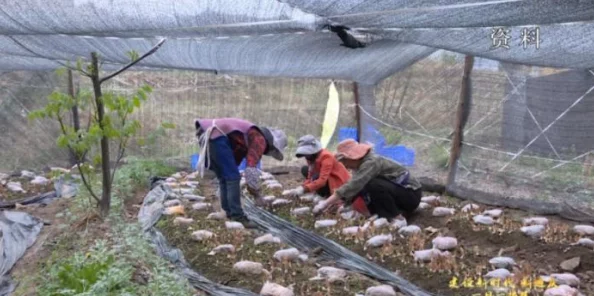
[(388, 200), (324, 191), (222, 162)]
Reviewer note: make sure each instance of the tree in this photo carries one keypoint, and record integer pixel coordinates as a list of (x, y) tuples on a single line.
[(109, 122)]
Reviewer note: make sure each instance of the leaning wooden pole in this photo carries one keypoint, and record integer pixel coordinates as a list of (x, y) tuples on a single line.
[(357, 111), (461, 117)]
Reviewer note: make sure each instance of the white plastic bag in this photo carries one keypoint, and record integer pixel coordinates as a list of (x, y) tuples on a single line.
[(233, 225), (201, 206), (325, 223), (309, 197), (201, 235), (171, 203), (441, 212), (409, 230), (379, 240), (533, 230), (566, 279), (184, 191), (380, 223), (562, 290), (27, 174), (249, 267), (303, 257), (222, 249), (482, 219), (267, 239), (502, 262), (432, 200), (500, 273), (318, 199), (274, 186), (495, 213), (423, 205), (349, 215), (352, 230), (280, 201), (291, 254), (398, 224), (330, 274), (193, 197), (269, 198), (470, 207), (427, 255), (40, 180), (319, 207), (300, 211), (586, 242), (444, 243), (220, 215), (15, 187), (272, 289), (584, 229), (266, 176), (382, 290), (182, 221), (535, 221)]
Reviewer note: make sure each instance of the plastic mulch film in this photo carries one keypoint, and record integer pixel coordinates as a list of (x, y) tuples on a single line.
[(19, 232), (344, 258), (149, 214)]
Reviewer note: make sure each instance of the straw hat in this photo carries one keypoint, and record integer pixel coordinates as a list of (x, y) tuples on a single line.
[(351, 149)]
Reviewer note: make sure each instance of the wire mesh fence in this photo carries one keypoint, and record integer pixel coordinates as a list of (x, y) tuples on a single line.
[(530, 131)]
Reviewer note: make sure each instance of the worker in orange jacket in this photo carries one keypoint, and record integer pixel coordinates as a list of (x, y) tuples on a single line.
[(324, 174)]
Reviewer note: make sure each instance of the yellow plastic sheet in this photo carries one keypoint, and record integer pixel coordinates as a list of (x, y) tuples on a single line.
[(331, 116)]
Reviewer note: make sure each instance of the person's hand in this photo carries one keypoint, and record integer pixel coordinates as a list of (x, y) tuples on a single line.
[(294, 192)]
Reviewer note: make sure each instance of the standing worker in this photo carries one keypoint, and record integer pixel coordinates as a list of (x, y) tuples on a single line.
[(323, 172), (230, 141), (389, 190)]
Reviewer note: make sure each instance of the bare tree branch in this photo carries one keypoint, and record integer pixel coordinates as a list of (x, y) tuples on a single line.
[(150, 52), (82, 175)]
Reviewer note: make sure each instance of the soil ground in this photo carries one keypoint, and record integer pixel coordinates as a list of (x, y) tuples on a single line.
[(476, 245)]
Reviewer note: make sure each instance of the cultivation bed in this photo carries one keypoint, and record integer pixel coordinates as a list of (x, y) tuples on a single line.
[(476, 245), (30, 189)]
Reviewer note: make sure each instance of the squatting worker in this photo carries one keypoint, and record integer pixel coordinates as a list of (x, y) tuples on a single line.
[(387, 187), (323, 172), (230, 141)]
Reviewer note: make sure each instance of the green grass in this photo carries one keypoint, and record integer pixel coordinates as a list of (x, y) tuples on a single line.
[(94, 262)]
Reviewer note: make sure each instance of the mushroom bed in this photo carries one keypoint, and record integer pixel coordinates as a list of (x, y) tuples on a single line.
[(469, 248), (25, 184)]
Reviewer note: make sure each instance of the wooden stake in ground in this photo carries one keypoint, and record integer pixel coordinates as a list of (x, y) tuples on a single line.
[(461, 118), (357, 111)]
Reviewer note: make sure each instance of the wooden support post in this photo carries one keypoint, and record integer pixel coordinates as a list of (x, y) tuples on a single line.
[(357, 111), (461, 117)]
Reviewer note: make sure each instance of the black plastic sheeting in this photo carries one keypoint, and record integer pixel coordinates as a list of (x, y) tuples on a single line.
[(332, 251), (150, 212), (20, 230)]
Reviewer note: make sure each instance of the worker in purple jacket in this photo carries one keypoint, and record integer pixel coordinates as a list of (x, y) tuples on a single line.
[(230, 141)]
